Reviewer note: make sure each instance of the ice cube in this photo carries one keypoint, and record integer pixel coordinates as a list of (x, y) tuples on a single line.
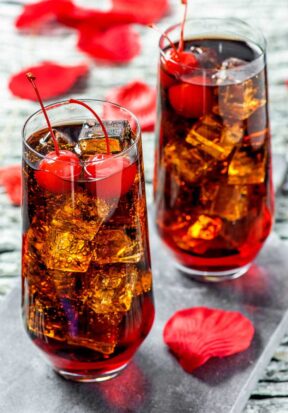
[(233, 70), (45, 318), (206, 57), (208, 192), (92, 140), (231, 202), (183, 237), (186, 162), (206, 228), (100, 332), (46, 143), (114, 245), (69, 243), (247, 168), (238, 100), (213, 137), (144, 282), (112, 288)]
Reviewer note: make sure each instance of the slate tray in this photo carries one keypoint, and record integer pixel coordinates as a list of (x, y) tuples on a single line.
[(154, 382)]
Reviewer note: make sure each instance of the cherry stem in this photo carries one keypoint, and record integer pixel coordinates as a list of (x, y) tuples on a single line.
[(153, 26), (181, 42), (79, 102), (32, 79)]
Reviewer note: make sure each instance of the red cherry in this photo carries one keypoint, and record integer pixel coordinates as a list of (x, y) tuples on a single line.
[(57, 172), (114, 175), (178, 63), (191, 100)]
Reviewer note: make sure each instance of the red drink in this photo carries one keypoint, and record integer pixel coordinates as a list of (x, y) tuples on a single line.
[(212, 188), (87, 282)]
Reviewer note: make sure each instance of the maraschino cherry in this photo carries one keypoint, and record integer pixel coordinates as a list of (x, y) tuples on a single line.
[(191, 98), (59, 169), (176, 60), (110, 176)]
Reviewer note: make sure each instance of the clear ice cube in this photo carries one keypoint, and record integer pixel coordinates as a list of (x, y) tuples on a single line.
[(114, 245), (247, 168), (215, 138), (185, 162), (238, 101), (112, 288), (231, 202), (205, 228), (100, 332), (206, 57), (92, 140), (46, 143), (69, 244)]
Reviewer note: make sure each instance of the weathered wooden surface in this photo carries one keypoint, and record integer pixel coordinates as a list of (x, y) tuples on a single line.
[(16, 52)]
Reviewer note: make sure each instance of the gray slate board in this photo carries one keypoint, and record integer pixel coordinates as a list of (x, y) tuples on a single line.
[(154, 382)]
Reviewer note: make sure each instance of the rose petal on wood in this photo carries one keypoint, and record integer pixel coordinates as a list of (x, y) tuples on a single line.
[(149, 11), (139, 98), (119, 44), (53, 80), (10, 179)]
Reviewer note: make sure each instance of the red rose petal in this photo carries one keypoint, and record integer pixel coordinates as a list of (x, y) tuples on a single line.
[(118, 44), (139, 98), (149, 11), (195, 335), (10, 178), (36, 14), (53, 80), (98, 19)]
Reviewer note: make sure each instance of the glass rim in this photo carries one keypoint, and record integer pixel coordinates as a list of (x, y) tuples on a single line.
[(259, 33), (67, 102)]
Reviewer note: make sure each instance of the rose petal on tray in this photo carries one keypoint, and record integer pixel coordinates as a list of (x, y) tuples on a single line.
[(36, 14), (139, 98), (10, 179), (53, 80), (195, 335), (118, 44), (149, 11)]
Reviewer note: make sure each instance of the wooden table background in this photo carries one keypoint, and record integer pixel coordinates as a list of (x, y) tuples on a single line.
[(19, 51)]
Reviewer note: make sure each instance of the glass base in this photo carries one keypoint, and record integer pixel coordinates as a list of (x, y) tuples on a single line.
[(91, 377), (213, 276)]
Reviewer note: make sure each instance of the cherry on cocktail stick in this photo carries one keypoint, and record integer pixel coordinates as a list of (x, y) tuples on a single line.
[(110, 176), (32, 79), (181, 42), (177, 61), (59, 168), (191, 100), (79, 102)]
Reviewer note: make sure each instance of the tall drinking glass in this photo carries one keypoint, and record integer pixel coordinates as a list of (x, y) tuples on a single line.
[(212, 183), (87, 285)]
